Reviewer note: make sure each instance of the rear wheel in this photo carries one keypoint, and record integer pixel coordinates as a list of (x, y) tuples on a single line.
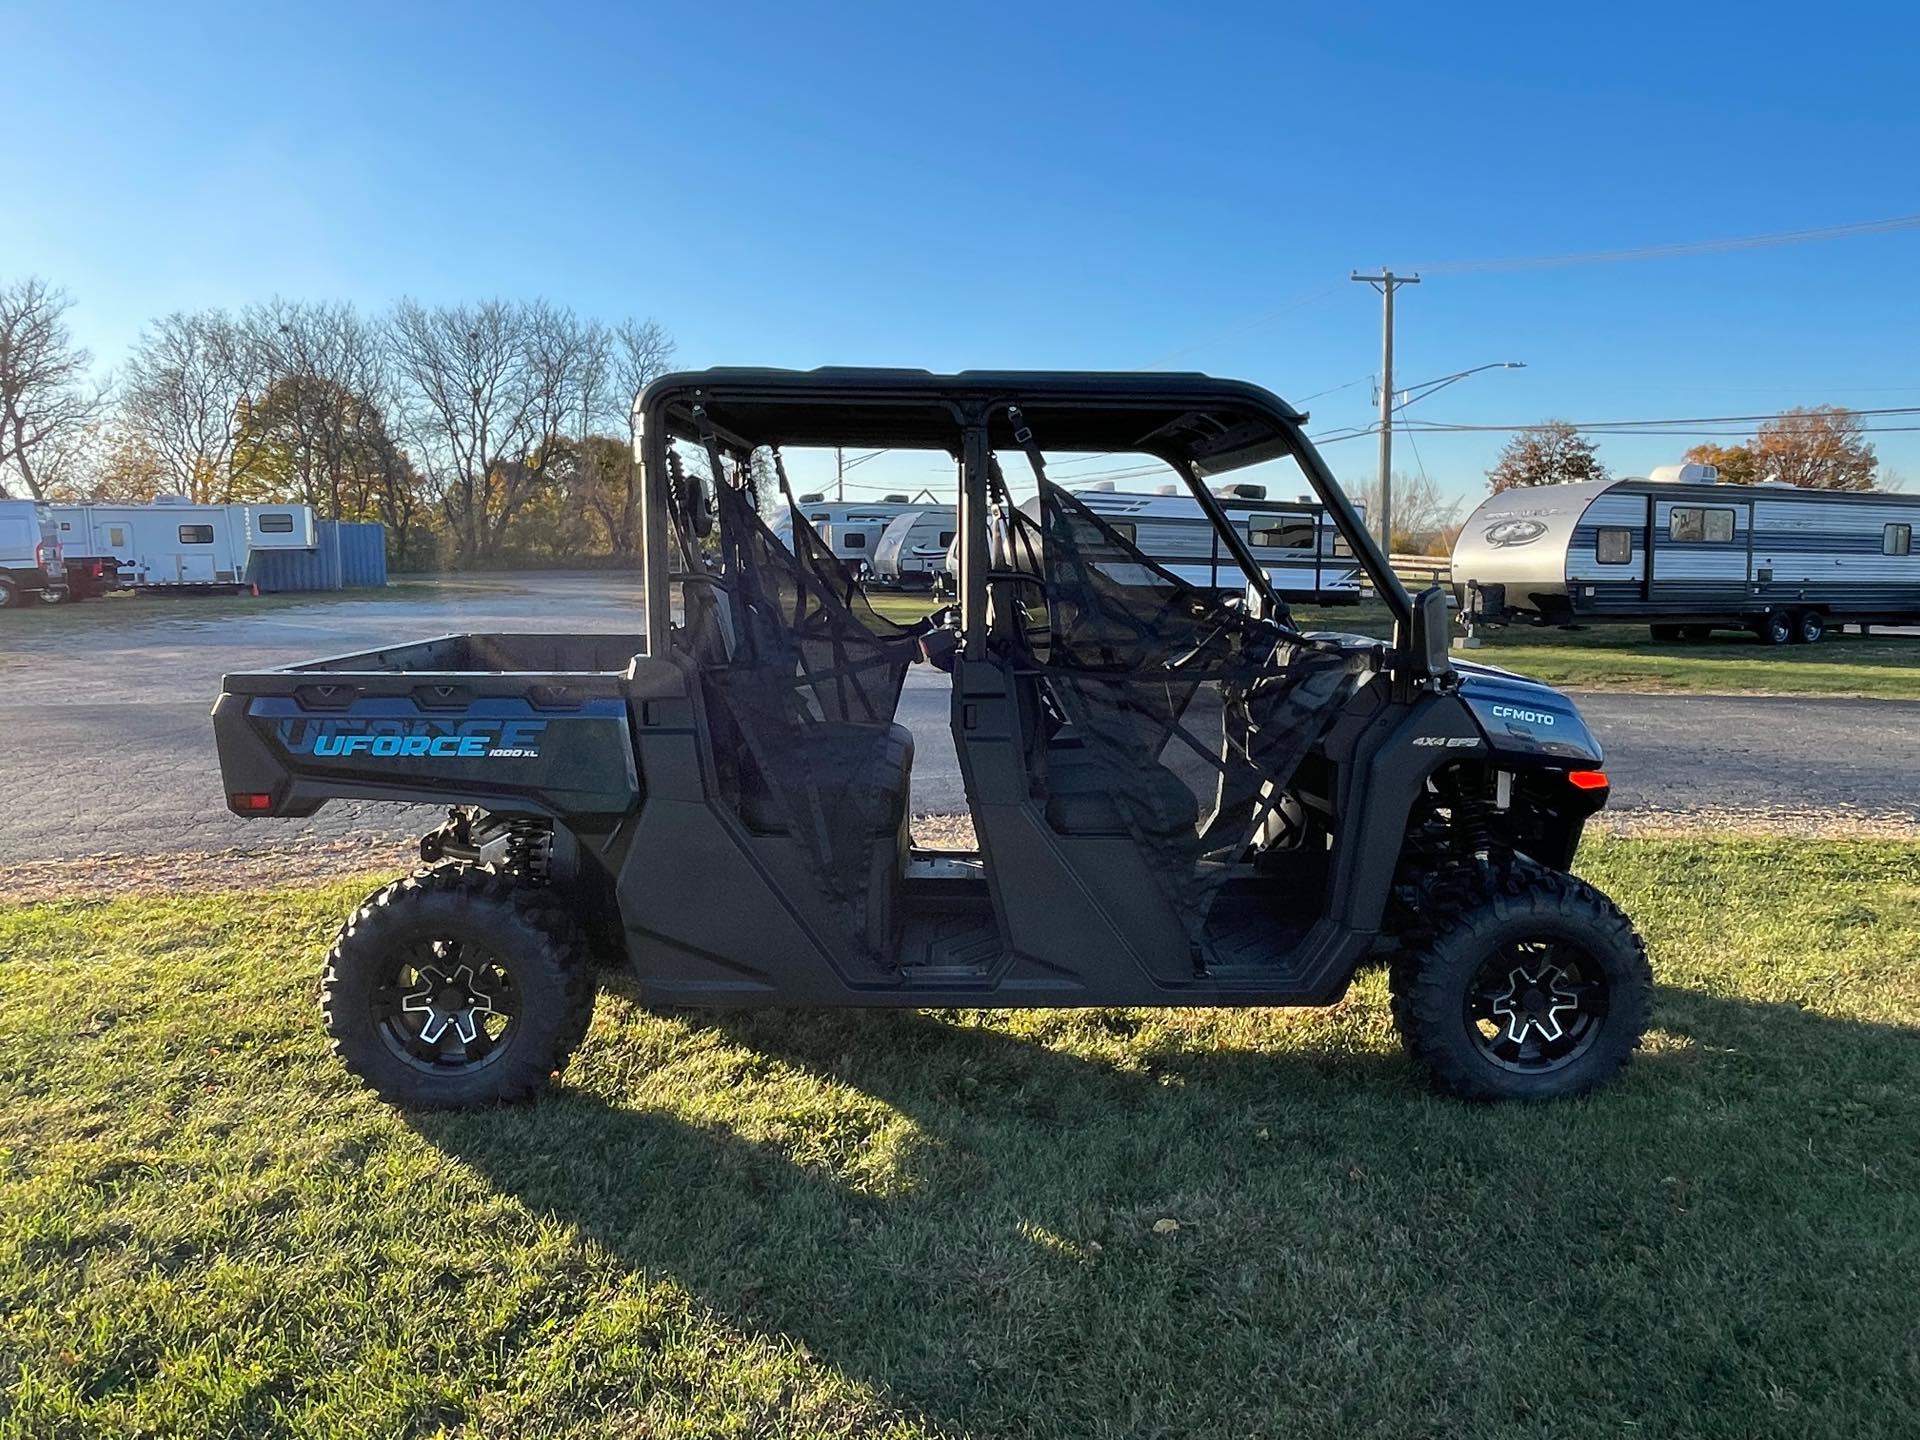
[(1775, 628), (1530, 985), (1696, 632), (457, 987), (1808, 627), (8, 595)]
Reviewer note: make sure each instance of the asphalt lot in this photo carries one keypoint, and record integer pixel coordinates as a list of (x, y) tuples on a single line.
[(106, 748)]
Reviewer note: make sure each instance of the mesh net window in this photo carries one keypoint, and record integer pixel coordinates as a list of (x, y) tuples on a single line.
[(1195, 719), (808, 690)]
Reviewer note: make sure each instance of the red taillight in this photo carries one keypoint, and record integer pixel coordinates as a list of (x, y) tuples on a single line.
[(249, 804), (1588, 779)]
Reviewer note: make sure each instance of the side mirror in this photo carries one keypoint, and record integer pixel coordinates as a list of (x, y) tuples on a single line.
[(1431, 626)]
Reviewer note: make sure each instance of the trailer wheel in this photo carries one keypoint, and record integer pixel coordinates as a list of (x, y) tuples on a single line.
[(457, 987), (1808, 627), (8, 595), (1696, 632), (1775, 628), (1526, 984), (1665, 634)]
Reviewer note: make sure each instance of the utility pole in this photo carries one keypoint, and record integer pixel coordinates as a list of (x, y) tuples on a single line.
[(1386, 282), (839, 474)]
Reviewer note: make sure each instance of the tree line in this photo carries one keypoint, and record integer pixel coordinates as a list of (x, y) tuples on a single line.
[(1819, 447), (491, 432)]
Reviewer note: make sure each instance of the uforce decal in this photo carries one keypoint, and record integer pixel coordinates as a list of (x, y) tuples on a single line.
[(423, 739), (1526, 717)]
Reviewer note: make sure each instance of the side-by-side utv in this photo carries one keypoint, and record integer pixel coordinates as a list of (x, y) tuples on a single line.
[(1179, 798)]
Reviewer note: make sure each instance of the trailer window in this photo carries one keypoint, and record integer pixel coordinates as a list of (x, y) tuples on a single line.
[(1897, 540), (855, 541), (1614, 545), (276, 524), (196, 534), (1284, 532), (946, 538), (1124, 529), (1696, 523)]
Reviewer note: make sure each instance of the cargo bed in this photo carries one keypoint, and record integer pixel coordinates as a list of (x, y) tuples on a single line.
[(520, 722)]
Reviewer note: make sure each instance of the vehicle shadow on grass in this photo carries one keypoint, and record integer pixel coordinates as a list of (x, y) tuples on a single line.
[(998, 1261)]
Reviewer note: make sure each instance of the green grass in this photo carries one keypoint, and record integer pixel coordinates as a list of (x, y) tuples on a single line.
[(1625, 657), (843, 1223)]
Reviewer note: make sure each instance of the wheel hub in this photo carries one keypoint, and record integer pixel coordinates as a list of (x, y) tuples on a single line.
[(448, 1001), (1535, 1002)]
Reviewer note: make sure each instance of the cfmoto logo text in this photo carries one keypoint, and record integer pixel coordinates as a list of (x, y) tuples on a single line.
[(426, 739), (1526, 717), (1505, 533)]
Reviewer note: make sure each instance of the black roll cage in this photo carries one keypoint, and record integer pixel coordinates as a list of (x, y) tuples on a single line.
[(1067, 411)]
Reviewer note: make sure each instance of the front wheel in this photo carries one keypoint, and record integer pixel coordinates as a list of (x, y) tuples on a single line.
[(457, 987), (1530, 985)]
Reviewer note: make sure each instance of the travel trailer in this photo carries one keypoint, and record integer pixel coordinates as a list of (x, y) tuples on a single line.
[(173, 542), (1295, 541), (1686, 555), (30, 566), (851, 528), (912, 553)]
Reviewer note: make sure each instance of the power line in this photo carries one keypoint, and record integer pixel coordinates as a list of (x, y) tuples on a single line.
[(1664, 252), (1628, 425)]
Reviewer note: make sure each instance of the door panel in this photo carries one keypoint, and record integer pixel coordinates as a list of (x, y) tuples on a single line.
[(1700, 550)]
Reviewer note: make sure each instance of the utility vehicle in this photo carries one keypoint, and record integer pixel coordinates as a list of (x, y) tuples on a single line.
[(1179, 798)]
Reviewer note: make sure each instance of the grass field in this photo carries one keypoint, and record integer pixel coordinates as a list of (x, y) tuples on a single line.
[(1624, 657), (953, 1223)]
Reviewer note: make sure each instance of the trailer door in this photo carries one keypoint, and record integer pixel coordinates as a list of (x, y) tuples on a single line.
[(194, 552), (1700, 552)]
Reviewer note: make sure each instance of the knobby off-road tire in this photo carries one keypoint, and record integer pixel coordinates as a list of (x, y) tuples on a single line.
[(1520, 984), (457, 986)]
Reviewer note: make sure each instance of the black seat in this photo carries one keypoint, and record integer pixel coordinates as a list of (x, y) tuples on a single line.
[(868, 768)]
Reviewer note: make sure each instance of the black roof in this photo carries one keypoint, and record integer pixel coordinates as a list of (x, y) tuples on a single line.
[(1067, 409)]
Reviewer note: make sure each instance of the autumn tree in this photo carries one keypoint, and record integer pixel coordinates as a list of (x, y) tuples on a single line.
[(48, 406), (1736, 463), (1553, 453), (1822, 448)]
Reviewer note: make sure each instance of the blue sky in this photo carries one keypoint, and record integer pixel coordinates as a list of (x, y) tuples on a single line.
[(1107, 186)]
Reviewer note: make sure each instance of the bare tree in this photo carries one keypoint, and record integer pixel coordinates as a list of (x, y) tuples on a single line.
[(188, 400), (641, 352), (1425, 521), (47, 405), (470, 408)]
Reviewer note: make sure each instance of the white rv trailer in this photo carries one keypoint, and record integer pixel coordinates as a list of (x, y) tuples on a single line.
[(174, 542), (851, 528), (1685, 554), (912, 552), (1295, 541)]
